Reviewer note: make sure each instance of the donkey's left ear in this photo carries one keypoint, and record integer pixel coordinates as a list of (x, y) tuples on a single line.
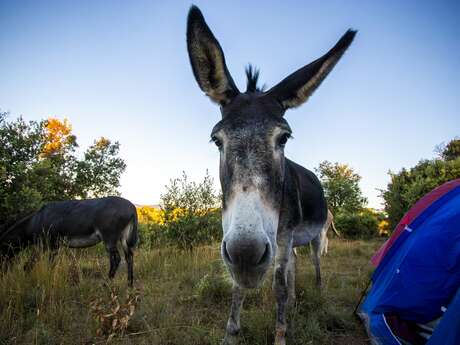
[(208, 60), (298, 87)]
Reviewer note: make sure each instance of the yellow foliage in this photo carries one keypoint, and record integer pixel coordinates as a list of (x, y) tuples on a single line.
[(150, 214), (58, 134), (384, 228), (102, 143)]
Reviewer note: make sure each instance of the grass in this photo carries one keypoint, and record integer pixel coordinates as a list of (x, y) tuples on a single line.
[(179, 298)]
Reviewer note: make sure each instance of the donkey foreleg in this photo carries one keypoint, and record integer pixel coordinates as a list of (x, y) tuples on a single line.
[(233, 323), (291, 278), (281, 289)]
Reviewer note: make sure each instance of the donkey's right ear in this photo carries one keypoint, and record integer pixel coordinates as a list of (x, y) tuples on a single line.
[(207, 60)]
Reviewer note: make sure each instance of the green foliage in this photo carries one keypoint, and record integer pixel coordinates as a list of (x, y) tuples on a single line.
[(38, 164), (20, 146), (450, 151), (409, 185), (191, 213), (99, 173), (358, 225), (341, 187), (151, 235)]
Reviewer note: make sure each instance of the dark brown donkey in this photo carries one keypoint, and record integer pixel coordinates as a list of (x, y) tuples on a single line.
[(79, 224), (270, 204)]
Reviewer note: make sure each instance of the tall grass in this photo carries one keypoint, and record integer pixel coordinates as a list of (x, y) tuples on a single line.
[(184, 298)]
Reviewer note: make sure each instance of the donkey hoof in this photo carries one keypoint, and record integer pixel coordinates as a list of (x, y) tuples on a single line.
[(280, 341), (280, 338)]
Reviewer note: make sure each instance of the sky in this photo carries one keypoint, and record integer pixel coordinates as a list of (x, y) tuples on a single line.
[(120, 69)]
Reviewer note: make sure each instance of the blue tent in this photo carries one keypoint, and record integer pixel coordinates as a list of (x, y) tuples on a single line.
[(415, 293)]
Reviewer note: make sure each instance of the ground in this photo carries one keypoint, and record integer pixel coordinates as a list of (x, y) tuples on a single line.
[(179, 298)]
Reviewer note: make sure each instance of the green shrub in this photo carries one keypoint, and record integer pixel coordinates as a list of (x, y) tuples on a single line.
[(363, 224), (191, 213), (151, 235)]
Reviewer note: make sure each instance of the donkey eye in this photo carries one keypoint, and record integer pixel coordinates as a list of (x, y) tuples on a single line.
[(282, 140), (217, 142)]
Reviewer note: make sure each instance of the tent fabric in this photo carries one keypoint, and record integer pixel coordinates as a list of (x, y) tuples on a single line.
[(418, 272), (449, 325)]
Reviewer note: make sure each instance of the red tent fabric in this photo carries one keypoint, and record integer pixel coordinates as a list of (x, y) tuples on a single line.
[(415, 210)]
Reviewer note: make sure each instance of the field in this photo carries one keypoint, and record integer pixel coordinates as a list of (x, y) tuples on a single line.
[(179, 298)]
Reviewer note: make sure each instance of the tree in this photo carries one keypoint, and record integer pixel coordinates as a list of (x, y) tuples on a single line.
[(341, 187), (100, 171), (450, 151), (38, 164), (59, 139), (20, 146), (57, 161), (409, 185)]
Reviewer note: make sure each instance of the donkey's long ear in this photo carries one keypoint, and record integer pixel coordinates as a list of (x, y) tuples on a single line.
[(298, 87), (207, 60)]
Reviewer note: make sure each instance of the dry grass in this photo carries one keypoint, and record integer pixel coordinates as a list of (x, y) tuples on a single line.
[(179, 298)]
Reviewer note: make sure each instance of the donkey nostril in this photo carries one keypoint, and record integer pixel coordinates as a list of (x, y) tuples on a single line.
[(226, 255), (266, 255)]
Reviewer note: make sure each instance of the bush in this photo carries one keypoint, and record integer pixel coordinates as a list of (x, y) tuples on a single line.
[(189, 230), (189, 215), (409, 185), (151, 235), (360, 225)]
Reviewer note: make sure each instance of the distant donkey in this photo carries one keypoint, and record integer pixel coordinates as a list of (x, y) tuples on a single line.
[(270, 204), (79, 224), (324, 240)]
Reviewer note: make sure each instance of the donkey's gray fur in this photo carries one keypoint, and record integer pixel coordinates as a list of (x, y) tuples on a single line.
[(270, 204)]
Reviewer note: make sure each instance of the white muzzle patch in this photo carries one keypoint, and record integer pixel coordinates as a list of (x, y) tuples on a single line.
[(249, 242)]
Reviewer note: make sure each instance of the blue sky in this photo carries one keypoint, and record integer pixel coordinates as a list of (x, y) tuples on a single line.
[(120, 69)]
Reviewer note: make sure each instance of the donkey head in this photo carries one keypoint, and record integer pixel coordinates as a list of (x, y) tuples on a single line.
[(251, 137)]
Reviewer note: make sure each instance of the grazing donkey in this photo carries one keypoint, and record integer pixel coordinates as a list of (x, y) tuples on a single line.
[(270, 204), (79, 224)]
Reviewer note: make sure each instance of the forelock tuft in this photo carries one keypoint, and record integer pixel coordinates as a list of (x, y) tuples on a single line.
[(252, 75)]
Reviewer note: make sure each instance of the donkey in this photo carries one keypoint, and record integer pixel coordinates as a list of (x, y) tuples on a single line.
[(270, 203), (324, 242), (316, 252), (79, 224)]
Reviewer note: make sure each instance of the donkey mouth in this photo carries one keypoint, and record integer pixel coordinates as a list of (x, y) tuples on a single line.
[(248, 270), (247, 261)]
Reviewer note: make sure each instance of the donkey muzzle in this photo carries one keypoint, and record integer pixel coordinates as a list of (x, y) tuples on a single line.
[(247, 259)]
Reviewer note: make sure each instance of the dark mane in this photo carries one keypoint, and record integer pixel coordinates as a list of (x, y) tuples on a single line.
[(252, 75)]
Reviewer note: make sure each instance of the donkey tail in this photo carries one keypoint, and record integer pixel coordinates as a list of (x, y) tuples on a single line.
[(133, 237), (334, 229), (130, 235)]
